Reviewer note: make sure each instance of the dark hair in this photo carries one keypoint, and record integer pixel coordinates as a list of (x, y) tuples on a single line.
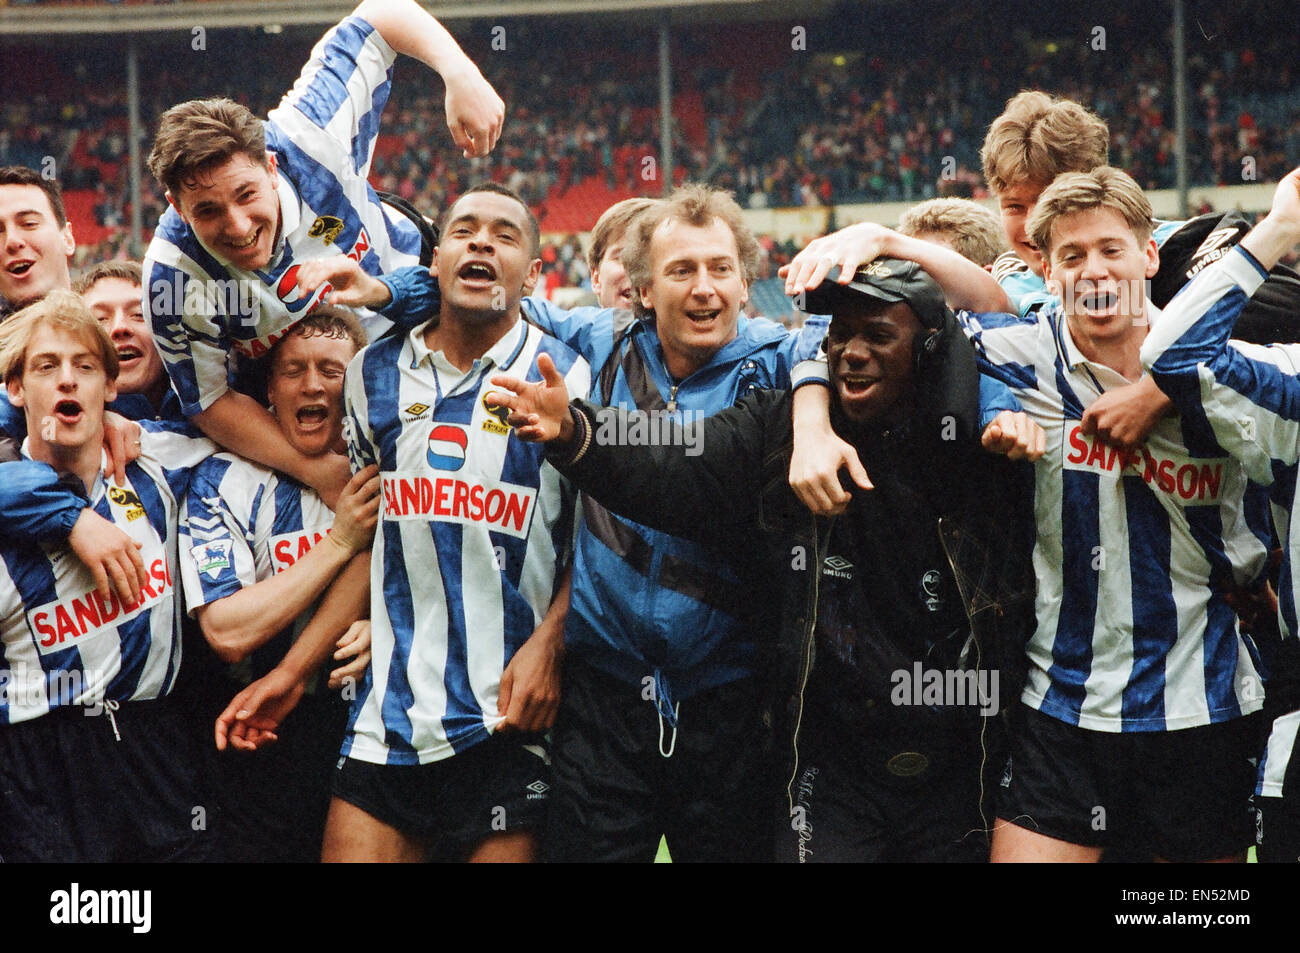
[(534, 230), (197, 135), (329, 321), (119, 268), (21, 175)]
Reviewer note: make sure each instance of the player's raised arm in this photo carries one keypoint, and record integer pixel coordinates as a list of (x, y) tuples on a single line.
[(475, 113), (965, 284)]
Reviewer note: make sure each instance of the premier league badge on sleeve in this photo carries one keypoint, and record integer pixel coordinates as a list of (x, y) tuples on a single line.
[(212, 557)]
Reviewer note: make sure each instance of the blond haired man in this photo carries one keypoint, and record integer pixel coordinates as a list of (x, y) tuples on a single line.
[(1134, 728), (123, 785), (966, 227)]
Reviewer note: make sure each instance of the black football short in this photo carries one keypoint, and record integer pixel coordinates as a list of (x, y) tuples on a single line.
[(616, 794), (71, 789), (1183, 795), (274, 800), (499, 785), (877, 802)]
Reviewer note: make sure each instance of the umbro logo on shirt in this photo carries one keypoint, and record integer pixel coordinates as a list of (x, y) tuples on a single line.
[(538, 789), (416, 411), (837, 566)]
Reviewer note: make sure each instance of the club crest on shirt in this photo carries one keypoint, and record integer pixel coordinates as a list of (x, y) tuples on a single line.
[(326, 228), (496, 422), (126, 498)]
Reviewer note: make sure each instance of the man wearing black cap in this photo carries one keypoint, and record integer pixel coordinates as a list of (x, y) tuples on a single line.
[(890, 620)]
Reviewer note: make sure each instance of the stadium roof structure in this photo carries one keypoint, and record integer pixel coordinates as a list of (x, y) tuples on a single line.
[(184, 14)]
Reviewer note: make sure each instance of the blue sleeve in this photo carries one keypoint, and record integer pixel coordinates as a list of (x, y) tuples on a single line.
[(12, 420), (589, 331), (416, 296), (800, 346), (995, 397), (35, 506)]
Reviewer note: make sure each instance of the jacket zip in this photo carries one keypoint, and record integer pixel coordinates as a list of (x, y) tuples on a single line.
[(979, 658), (806, 657)]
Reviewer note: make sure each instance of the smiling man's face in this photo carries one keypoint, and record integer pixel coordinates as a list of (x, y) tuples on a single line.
[(869, 352), (116, 304), (485, 258), (34, 247), (234, 210), (696, 290), (1099, 267)]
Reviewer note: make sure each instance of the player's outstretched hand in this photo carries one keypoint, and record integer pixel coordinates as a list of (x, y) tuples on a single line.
[(850, 248), (348, 284), (112, 557), (357, 511), (1015, 435), (1124, 416), (354, 645), (122, 444), (251, 718), (475, 113), (539, 410)]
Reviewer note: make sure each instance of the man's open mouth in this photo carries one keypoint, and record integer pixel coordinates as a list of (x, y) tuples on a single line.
[(477, 271), (312, 415), (1098, 300), (704, 317), (856, 385), (19, 267), (68, 411), (128, 353)]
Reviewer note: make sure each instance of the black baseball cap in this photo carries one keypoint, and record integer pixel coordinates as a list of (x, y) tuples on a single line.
[(885, 279)]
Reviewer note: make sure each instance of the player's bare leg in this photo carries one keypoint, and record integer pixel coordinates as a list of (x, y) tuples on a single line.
[(1013, 844), (353, 836), (508, 847)]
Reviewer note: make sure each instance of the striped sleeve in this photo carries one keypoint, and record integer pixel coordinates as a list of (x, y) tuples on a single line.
[(334, 107), (177, 454), (186, 326), (1249, 394), (216, 552), (1006, 347)]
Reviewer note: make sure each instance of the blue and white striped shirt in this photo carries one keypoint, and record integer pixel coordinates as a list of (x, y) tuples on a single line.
[(1249, 396), (472, 525), (323, 137), (241, 524), (63, 645), (1134, 552)]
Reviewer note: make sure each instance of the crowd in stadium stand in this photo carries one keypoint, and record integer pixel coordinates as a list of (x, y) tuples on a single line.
[(894, 123)]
